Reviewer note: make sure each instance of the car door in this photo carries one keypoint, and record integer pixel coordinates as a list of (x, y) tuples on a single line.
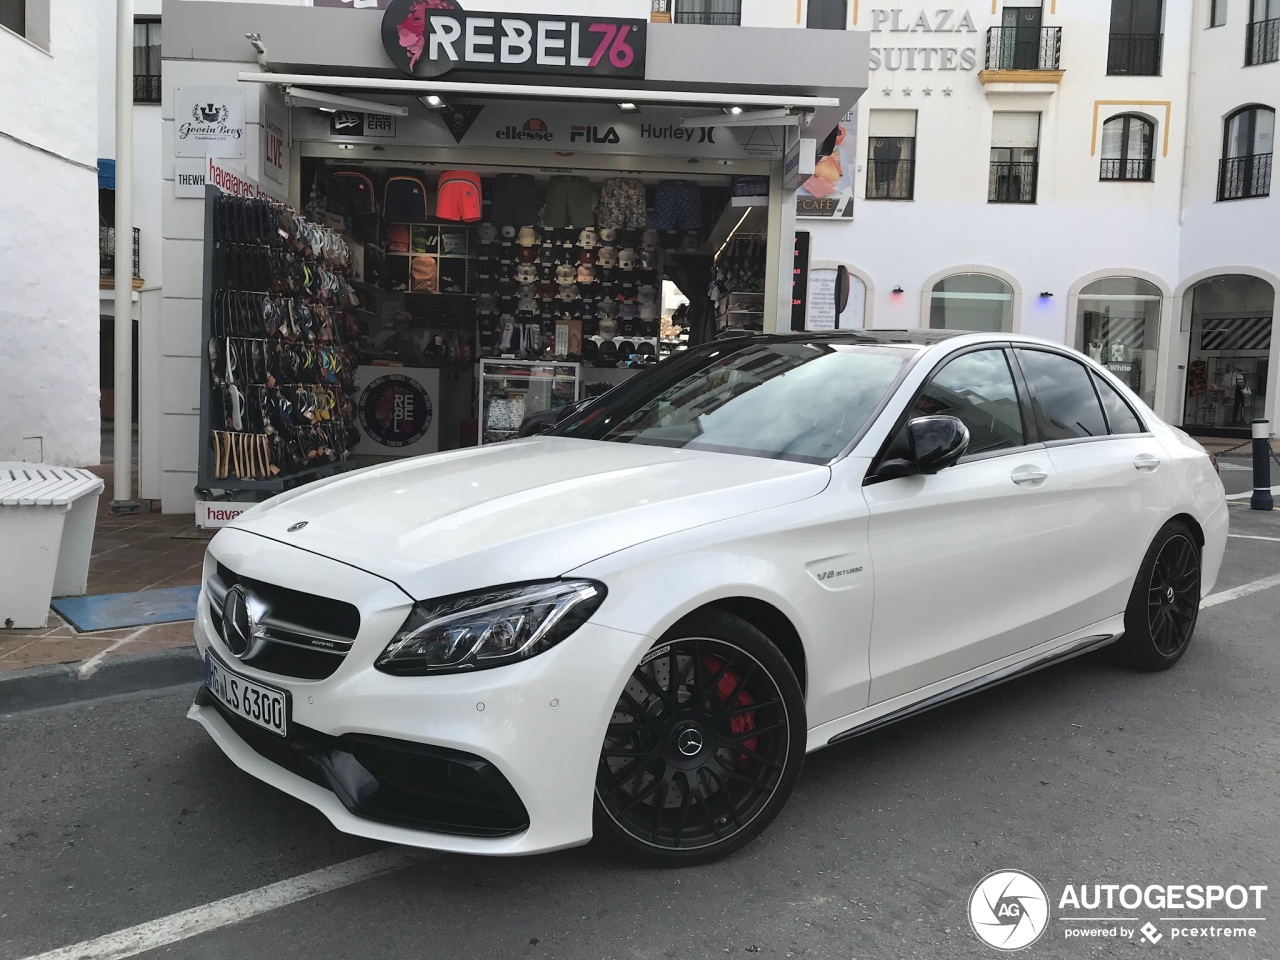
[(1115, 476), (965, 561)]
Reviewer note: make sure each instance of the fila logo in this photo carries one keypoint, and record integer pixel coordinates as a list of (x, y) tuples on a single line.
[(593, 134)]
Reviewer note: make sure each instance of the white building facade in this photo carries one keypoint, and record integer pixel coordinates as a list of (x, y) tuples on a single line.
[(1095, 173), (48, 237)]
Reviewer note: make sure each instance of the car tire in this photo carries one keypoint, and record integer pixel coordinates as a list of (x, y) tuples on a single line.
[(704, 745), (1165, 602)]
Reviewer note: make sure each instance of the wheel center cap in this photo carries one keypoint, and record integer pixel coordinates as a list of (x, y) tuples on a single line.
[(689, 742), (1169, 594)]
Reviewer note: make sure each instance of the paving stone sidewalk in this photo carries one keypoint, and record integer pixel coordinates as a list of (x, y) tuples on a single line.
[(142, 552)]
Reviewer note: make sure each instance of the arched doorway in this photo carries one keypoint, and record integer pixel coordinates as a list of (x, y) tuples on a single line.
[(1118, 324), (1229, 354)]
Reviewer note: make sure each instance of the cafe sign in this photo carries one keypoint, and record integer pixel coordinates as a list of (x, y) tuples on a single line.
[(431, 38)]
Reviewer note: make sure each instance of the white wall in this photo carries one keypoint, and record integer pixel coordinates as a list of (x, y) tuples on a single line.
[(48, 243)]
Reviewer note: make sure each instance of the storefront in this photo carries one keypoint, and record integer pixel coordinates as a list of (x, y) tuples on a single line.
[(507, 220)]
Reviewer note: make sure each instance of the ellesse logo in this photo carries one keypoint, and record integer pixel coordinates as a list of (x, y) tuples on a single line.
[(533, 129)]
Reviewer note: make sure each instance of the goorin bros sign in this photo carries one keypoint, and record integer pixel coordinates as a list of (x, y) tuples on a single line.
[(430, 38)]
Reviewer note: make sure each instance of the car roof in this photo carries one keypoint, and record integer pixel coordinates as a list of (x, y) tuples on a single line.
[(920, 338)]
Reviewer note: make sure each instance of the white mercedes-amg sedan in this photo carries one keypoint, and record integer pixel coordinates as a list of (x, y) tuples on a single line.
[(636, 626)]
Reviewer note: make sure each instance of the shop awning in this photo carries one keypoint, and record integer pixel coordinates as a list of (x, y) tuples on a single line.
[(443, 88)]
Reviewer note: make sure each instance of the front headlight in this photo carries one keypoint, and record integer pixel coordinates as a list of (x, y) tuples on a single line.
[(473, 631)]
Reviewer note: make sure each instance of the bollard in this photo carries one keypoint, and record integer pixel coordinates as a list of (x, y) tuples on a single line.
[(1262, 499)]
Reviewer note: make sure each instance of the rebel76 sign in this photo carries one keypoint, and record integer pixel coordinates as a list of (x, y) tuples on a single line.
[(430, 38)]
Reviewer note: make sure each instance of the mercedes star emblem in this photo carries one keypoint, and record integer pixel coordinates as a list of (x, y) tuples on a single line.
[(690, 742), (238, 623), (296, 527)]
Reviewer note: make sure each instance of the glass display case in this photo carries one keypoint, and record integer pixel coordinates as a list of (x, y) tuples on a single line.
[(511, 390)]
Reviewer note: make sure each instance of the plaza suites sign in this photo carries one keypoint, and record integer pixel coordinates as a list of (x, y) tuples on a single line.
[(926, 40), (432, 38)]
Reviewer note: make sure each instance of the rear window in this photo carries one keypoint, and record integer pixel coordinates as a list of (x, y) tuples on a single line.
[(1062, 396), (789, 400)]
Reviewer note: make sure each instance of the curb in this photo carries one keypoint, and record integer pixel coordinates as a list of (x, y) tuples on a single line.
[(62, 684)]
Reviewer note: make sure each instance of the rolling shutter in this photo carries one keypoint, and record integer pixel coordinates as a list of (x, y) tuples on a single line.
[(1014, 129), (893, 123)]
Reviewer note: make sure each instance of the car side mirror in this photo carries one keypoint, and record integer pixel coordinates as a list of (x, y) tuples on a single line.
[(934, 443)]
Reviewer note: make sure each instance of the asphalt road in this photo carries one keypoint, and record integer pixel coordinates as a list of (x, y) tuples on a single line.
[(120, 812)]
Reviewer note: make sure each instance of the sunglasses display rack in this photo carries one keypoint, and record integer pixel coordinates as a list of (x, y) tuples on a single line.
[(278, 379)]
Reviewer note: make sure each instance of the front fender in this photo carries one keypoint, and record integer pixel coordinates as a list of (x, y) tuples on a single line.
[(780, 557)]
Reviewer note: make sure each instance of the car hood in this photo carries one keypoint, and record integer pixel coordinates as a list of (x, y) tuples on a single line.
[(521, 510)]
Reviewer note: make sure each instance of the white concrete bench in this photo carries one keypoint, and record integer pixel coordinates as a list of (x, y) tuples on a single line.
[(47, 516)]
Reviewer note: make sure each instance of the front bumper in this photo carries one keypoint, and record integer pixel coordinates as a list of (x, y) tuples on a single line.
[(531, 731)]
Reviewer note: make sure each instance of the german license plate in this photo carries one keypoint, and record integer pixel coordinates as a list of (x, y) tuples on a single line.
[(260, 705)]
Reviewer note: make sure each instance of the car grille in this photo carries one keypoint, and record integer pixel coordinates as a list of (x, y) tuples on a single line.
[(404, 784), (306, 636)]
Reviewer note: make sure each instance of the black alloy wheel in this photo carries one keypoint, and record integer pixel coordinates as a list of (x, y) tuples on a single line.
[(703, 747), (1165, 602), (1173, 598)]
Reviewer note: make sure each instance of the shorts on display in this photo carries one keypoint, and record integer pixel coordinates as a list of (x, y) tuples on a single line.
[(570, 203), (404, 199), (515, 200), (351, 194), (622, 204), (677, 206), (459, 196)]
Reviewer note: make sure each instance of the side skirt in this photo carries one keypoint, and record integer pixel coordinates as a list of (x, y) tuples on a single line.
[(1081, 646)]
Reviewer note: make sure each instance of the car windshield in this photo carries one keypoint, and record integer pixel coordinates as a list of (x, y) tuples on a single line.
[(789, 400)]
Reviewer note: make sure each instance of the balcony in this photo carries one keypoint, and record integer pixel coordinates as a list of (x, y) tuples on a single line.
[(1134, 54), (719, 19), (1244, 178), (107, 258), (1139, 170), (146, 89), (1012, 182), (1017, 57), (1262, 42), (890, 179)]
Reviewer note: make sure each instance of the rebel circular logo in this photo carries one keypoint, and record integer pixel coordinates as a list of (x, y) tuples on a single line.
[(1009, 910), (395, 411)]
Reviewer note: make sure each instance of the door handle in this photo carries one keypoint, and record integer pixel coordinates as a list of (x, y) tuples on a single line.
[(1146, 462), (1029, 475)]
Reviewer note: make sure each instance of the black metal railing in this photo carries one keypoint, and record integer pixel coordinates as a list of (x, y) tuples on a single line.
[(722, 19), (890, 179), (146, 89), (1012, 182), (1243, 178), (107, 252), (1018, 48), (1134, 54), (1127, 169), (1262, 42)]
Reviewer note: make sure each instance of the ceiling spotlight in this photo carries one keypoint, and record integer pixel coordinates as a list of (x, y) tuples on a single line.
[(628, 108), (735, 111), (433, 103), (326, 109)]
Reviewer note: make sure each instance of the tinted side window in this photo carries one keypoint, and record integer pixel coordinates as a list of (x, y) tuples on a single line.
[(1062, 396), (978, 389), (1120, 416)]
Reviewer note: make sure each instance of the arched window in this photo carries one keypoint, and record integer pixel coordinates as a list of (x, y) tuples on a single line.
[(1127, 148), (971, 301), (1248, 139), (1118, 322)]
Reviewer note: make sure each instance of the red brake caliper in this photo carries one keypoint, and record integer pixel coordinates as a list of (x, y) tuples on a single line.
[(740, 723)]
